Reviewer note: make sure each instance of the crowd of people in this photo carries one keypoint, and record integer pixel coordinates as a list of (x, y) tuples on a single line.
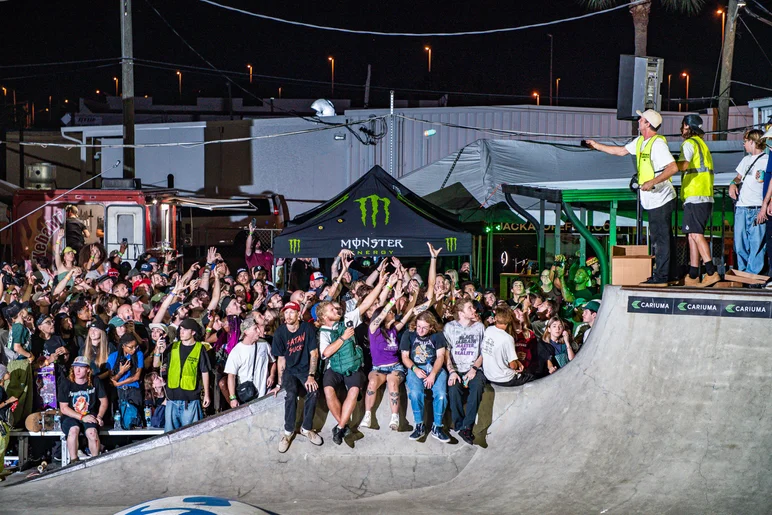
[(150, 344)]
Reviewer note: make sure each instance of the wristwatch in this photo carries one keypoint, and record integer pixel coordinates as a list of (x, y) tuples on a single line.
[(477, 369)]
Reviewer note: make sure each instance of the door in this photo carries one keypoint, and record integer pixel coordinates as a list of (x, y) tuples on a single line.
[(125, 222)]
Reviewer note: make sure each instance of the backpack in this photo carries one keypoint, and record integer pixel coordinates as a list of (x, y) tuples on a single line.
[(349, 358)]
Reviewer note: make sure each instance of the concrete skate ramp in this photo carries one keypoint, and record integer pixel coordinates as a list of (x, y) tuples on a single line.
[(657, 414)]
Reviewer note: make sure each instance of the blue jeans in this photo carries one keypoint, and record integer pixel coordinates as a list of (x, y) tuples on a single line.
[(181, 413), (749, 240), (416, 394)]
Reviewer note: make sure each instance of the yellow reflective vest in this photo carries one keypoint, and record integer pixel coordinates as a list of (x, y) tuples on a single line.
[(643, 158), (698, 178), (184, 375)]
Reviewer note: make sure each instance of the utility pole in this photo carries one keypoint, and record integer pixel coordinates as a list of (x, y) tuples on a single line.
[(127, 74), (367, 86), (726, 69)]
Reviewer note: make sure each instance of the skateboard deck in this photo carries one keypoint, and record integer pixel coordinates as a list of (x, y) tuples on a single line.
[(40, 421), (46, 383)]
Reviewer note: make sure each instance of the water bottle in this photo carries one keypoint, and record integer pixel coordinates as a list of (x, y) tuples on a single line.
[(148, 415), (117, 419), (57, 422)]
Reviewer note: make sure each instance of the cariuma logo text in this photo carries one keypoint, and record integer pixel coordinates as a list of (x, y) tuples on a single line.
[(374, 201)]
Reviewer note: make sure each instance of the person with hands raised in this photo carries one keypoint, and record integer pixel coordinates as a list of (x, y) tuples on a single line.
[(384, 348)]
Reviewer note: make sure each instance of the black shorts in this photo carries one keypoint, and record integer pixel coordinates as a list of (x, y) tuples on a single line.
[(69, 422), (334, 379), (696, 217)]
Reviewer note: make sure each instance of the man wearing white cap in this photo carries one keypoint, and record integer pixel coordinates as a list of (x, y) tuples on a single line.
[(655, 166)]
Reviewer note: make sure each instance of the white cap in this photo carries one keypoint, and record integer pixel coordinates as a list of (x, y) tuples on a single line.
[(652, 116), (768, 134)]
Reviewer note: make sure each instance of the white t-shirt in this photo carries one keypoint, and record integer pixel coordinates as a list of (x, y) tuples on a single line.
[(240, 364), (498, 351), (663, 192), (464, 343), (324, 336), (752, 191), (687, 153)]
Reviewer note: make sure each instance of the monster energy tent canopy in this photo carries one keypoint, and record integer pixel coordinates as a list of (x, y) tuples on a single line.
[(375, 216)]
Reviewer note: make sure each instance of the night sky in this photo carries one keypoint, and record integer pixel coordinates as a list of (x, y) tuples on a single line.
[(586, 52)]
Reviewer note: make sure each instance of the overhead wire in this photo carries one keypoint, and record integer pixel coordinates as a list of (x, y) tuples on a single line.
[(60, 63), (422, 34), (60, 72)]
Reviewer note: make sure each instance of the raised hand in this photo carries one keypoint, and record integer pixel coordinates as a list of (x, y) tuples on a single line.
[(434, 252)]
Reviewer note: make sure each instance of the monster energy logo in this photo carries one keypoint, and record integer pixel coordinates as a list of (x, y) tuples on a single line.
[(451, 244), (374, 200), (294, 246)]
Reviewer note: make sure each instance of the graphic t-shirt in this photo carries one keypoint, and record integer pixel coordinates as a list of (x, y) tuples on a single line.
[(250, 363), (498, 351), (423, 350), (384, 347), (82, 398), (752, 191), (464, 343), (524, 348), (295, 347)]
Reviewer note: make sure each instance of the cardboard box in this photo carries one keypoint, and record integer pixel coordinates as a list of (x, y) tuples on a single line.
[(745, 277), (630, 264)]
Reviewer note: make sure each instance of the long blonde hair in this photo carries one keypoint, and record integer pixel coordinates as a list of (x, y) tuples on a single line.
[(101, 354)]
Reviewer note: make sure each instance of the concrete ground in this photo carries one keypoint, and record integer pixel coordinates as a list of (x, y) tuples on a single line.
[(657, 414)]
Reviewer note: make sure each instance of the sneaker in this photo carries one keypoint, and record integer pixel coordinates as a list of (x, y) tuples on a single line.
[(695, 283), (312, 436), (439, 434), (367, 420), (394, 422), (345, 432), (466, 435), (337, 435), (653, 283), (284, 443), (418, 433), (709, 280), (82, 456)]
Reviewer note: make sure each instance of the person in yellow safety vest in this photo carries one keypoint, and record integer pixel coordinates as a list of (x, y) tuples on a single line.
[(185, 366), (655, 165), (696, 163)]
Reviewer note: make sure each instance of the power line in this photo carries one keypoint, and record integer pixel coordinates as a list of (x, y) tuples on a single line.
[(751, 85), (756, 40), (194, 144), (60, 72), (60, 63), (422, 34)]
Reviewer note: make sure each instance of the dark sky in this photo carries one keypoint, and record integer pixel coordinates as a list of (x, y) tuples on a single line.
[(586, 52)]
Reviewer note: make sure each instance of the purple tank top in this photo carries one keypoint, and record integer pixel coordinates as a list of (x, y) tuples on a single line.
[(385, 350)]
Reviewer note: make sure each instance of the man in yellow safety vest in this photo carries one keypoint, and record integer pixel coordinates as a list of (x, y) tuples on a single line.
[(655, 165), (696, 163)]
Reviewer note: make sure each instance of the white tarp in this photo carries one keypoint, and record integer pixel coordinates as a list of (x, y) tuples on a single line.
[(486, 164)]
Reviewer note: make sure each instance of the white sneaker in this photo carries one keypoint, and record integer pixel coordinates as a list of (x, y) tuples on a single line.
[(366, 420), (82, 456), (394, 423)]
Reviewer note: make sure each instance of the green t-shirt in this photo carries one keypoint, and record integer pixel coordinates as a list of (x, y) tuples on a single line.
[(21, 335)]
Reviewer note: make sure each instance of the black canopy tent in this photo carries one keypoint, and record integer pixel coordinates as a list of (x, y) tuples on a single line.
[(375, 216)]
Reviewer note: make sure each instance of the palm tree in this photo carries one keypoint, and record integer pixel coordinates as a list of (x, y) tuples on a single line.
[(640, 13)]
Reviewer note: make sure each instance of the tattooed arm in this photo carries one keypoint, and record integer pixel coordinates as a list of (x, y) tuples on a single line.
[(311, 385), (282, 365)]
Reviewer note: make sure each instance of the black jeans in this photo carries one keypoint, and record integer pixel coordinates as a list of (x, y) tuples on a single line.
[(768, 239), (472, 394), (662, 240), (295, 386)]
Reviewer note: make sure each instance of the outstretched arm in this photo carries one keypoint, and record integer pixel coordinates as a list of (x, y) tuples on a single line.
[(608, 149), (432, 270)]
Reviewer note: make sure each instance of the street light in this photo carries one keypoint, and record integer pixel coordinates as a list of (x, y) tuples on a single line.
[(249, 67), (179, 81), (723, 24), (686, 75), (536, 95), (98, 92), (557, 90), (669, 76), (332, 71), (115, 79), (279, 91), (429, 49)]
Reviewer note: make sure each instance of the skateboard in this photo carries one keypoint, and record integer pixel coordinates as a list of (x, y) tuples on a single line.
[(40, 421), (46, 383)]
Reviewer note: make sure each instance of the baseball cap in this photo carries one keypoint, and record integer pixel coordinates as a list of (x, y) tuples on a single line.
[(190, 324), (317, 275), (591, 261), (593, 306), (106, 277), (81, 361), (117, 322), (152, 260), (113, 272), (174, 307), (100, 324), (162, 327), (136, 284), (145, 267), (768, 134), (240, 270), (652, 116), (68, 249), (291, 305)]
